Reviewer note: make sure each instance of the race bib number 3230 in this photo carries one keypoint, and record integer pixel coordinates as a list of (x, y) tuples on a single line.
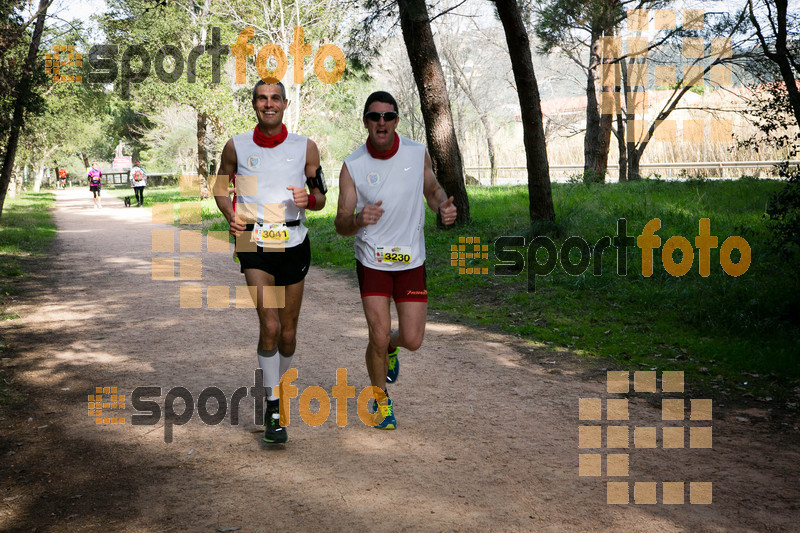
[(393, 254)]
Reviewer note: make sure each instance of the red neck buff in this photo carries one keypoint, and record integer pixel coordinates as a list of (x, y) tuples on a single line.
[(269, 141), (388, 153)]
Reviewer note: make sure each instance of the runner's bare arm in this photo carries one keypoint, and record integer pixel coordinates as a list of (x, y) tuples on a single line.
[(301, 197), (345, 221), (227, 168), (436, 197)]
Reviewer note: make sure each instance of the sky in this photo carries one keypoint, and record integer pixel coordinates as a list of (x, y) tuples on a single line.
[(81, 9)]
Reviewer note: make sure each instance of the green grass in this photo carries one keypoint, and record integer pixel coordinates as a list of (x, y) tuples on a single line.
[(26, 231), (152, 195), (25, 227), (719, 329), (722, 330)]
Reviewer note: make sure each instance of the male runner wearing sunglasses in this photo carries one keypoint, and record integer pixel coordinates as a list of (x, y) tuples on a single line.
[(272, 168), (380, 202)]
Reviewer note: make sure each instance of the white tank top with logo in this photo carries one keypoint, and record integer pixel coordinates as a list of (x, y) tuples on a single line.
[(262, 175), (397, 241)]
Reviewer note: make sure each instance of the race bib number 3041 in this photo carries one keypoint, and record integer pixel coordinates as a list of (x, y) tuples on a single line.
[(393, 254), (267, 234)]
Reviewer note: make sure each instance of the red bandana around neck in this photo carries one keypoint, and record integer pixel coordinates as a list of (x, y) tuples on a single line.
[(388, 153), (269, 141)]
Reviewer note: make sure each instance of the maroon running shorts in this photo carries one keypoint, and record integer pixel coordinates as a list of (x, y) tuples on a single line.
[(402, 285)]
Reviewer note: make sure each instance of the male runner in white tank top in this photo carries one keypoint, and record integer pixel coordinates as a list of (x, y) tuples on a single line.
[(271, 169), (380, 202)]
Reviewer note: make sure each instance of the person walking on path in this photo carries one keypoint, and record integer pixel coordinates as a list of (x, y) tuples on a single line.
[(95, 181), (272, 168), (138, 180), (381, 187)]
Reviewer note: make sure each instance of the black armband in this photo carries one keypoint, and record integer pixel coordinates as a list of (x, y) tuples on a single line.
[(318, 181)]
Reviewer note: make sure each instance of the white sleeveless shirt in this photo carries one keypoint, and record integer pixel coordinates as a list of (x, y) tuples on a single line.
[(398, 183), (262, 175)]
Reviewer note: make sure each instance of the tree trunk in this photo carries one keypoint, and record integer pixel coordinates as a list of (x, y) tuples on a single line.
[(21, 103), (782, 59), (202, 154), (592, 136), (634, 156), (434, 102), (15, 184), (597, 141), (519, 51), (781, 55), (791, 87), (623, 151), (622, 120), (490, 148), (462, 83), (37, 181)]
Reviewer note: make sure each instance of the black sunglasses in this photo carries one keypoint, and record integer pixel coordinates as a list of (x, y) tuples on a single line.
[(374, 116)]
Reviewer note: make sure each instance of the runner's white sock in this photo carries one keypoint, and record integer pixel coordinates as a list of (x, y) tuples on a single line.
[(271, 367), (286, 362)]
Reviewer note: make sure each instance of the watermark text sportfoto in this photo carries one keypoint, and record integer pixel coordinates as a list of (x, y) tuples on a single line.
[(510, 250), (105, 61), (149, 412)]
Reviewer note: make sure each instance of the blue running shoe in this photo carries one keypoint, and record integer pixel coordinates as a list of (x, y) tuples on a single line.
[(384, 417), (394, 366)]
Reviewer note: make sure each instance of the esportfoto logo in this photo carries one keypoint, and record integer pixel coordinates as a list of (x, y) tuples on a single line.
[(169, 63), (149, 411), (514, 257)]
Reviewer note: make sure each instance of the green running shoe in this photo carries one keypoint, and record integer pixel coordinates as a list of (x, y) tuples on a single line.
[(273, 432), (384, 417), (394, 366)]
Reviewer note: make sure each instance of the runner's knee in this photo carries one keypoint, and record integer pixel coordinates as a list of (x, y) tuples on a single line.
[(288, 334), (270, 330), (379, 337), (413, 343)]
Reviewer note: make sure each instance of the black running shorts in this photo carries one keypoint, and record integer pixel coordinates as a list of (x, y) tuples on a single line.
[(288, 266)]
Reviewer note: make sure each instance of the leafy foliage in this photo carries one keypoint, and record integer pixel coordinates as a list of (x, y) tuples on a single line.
[(783, 212), (771, 112), (14, 44)]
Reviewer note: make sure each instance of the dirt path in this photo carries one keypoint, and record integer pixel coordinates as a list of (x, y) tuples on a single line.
[(487, 437)]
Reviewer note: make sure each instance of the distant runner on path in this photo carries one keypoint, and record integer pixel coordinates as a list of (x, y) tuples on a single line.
[(95, 182), (138, 180)]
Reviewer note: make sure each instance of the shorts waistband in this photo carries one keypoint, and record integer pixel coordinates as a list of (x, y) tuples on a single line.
[(289, 224)]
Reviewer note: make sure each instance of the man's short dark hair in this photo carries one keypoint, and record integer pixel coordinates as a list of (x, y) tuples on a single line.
[(262, 82), (383, 97)]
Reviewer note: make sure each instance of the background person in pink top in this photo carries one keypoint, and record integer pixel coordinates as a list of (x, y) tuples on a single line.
[(94, 184)]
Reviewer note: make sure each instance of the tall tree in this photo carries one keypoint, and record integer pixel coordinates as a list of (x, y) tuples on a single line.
[(12, 58), (474, 66), (435, 105), (577, 29), (184, 28), (540, 196), (21, 104), (780, 45), (712, 49), (318, 109)]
